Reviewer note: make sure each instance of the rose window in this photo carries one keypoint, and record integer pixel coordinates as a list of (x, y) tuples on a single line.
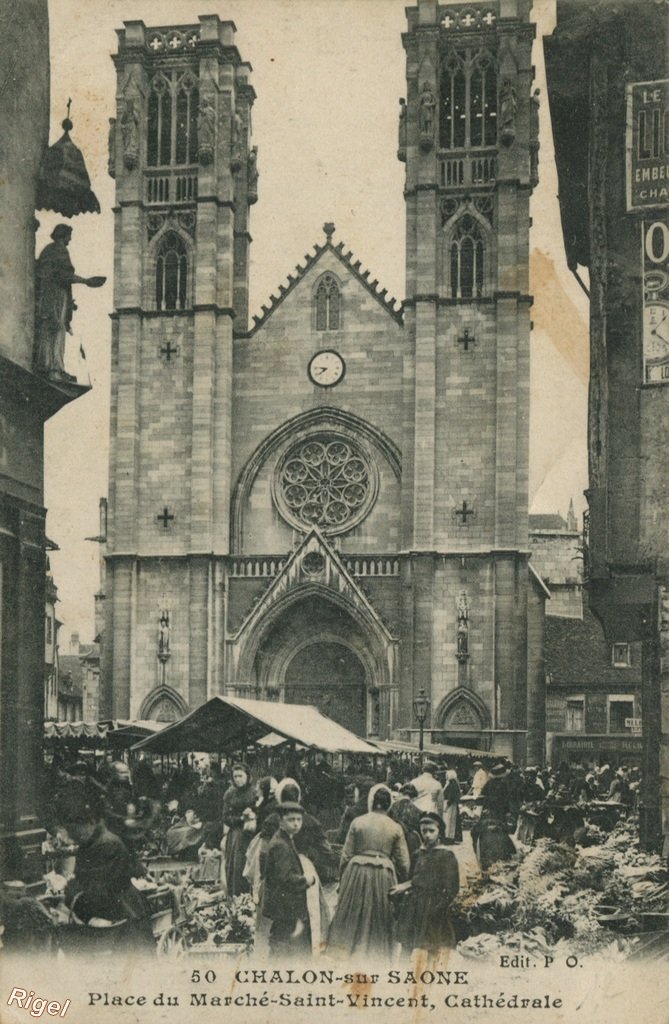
[(325, 481)]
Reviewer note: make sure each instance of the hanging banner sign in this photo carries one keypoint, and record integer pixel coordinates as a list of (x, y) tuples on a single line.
[(647, 144), (655, 264)]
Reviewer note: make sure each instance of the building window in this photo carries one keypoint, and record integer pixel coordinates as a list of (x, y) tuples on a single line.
[(467, 253), (621, 713), (468, 100), (620, 656), (171, 272), (49, 629), (326, 481), (172, 119), (575, 714), (328, 302)]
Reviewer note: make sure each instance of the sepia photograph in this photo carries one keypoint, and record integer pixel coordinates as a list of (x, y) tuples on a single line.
[(334, 510)]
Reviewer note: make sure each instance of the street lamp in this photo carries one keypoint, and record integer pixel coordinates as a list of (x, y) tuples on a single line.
[(421, 707)]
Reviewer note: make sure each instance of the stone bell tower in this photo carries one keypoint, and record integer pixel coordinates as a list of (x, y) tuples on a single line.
[(469, 138), (185, 177)]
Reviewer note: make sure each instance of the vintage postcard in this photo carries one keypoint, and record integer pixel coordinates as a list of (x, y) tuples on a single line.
[(333, 510)]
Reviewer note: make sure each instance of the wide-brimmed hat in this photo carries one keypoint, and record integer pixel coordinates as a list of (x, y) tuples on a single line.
[(498, 769)]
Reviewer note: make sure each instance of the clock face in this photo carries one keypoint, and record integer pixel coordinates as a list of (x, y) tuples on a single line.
[(326, 368), (656, 329)]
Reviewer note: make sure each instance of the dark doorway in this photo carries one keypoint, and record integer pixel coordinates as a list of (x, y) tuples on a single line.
[(331, 677)]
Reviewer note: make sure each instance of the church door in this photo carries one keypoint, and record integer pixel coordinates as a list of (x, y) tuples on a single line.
[(332, 678)]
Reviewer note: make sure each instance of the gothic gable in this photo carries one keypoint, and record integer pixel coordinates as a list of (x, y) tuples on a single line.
[(313, 565)]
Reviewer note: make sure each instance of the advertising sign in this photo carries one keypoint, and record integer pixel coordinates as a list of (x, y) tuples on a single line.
[(647, 145)]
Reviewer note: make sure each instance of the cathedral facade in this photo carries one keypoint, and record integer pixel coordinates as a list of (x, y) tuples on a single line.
[(327, 504)]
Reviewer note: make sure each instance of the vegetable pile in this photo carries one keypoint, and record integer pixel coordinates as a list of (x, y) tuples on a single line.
[(585, 900)]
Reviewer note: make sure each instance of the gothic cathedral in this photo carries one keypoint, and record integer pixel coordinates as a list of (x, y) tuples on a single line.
[(328, 504)]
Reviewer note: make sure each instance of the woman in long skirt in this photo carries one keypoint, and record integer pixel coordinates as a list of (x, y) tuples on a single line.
[(374, 857), (236, 799)]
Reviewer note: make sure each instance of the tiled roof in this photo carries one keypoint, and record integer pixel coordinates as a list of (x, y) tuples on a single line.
[(576, 653), (393, 306)]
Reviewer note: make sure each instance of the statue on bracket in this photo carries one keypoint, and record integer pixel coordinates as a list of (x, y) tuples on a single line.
[(252, 174), (534, 136), (130, 134), (402, 132), (206, 130), (508, 106), (164, 635), (111, 148), (237, 142), (54, 305), (427, 106), (462, 641)]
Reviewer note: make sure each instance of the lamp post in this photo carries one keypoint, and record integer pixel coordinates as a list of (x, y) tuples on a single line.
[(421, 706)]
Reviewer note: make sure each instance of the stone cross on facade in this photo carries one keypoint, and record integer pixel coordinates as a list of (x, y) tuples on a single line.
[(165, 517), (169, 350), (466, 340), (464, 512)]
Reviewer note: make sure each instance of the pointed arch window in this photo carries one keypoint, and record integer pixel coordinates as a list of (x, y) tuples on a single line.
[(467, 259), (328, 304), (172, 119), (468, 100), (172, 272)]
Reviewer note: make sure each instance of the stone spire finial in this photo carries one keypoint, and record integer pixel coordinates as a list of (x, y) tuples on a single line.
[(329, 229)]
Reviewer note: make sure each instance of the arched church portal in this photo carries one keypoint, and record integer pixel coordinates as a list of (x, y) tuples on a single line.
[(316, 653)]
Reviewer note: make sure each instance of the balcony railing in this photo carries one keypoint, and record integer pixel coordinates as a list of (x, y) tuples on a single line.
[(269, 566), (468, 169), (171, 186)]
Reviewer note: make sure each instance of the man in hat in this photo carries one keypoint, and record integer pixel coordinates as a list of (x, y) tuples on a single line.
[(285, 900), (430, 794), (497, 794), (54, 304)]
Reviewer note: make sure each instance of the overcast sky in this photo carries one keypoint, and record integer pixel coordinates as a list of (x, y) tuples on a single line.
[(328, 76)]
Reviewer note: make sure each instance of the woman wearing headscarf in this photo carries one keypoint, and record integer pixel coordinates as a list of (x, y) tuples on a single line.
[(374, 857), (452, 794), (236, 799), (425, 922)]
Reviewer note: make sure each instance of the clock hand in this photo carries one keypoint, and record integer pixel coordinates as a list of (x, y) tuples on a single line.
[(320, 370)]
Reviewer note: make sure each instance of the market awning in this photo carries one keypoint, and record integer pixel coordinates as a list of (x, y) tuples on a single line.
[(120, 728), (443, 749), (228, 723)]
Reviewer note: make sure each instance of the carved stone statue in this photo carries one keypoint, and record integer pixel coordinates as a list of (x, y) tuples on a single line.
[(508, 106), (130, 133), (206, 130), (402, 132), (164, 635), (427, 107), (535, 103), (253, 169), (237, 142), (462, 635), (111, 148), (54, 305)]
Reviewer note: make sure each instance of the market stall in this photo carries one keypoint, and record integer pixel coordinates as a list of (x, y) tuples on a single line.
[(233, 723)]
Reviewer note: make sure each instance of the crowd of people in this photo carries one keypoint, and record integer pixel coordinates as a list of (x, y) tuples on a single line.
[(383, 835)]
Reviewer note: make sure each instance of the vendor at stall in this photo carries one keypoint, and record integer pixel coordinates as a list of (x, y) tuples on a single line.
[(101, 890)]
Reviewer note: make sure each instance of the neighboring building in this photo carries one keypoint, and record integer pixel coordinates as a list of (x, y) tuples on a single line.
[(29, 395), (556, 547), (79, 682), (328, 505), (593, 687), (51, 627), (609, 97)]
